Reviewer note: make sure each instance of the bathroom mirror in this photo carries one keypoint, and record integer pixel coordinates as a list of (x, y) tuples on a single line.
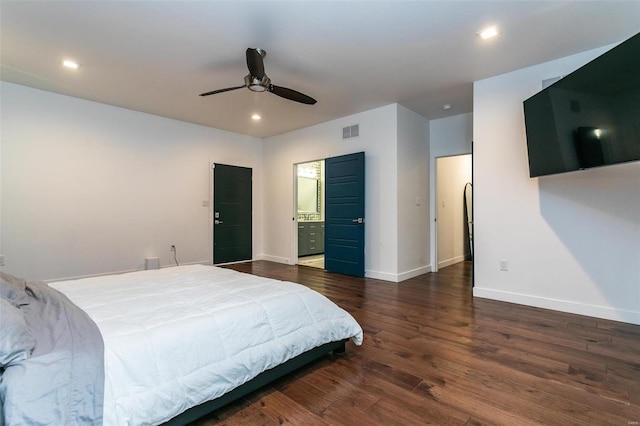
[(308, 195)]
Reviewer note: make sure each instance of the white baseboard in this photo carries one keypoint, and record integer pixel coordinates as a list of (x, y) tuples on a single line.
[(396, 278), (414, 273), (605, 312), (102, 274), (276, 259), (79, 277), (384, 276), (452, 261)]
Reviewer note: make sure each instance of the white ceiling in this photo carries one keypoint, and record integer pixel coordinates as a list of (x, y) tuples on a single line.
[(352, 56)]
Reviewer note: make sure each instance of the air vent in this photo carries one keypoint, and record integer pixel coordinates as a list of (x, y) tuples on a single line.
[(351, 131)]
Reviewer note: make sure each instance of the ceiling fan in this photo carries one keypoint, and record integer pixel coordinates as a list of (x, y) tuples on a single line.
[(257, 80)]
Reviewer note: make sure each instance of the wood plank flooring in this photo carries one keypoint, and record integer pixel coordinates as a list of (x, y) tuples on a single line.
[(433, 354)]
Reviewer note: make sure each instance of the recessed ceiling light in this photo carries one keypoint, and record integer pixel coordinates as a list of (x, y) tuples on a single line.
[(70, 64), (256, 117), (488, 33), (446, 106)]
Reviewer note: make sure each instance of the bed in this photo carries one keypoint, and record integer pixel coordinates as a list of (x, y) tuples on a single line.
[(174, 343)]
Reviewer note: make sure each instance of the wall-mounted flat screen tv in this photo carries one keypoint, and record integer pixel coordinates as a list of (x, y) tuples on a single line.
[(589, 118)]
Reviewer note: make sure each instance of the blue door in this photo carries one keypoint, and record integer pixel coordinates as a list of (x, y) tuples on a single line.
[(344, 214)]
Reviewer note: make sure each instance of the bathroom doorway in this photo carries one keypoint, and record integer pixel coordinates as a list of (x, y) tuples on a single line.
[(310, 213)]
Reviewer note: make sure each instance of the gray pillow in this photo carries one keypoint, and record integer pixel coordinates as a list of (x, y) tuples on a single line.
[(16, 341), (13, 289)]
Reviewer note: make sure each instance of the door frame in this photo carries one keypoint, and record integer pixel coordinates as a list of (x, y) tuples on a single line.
[(209, 203), (294, 258), (434, 207), (437, 207), (294, 209)]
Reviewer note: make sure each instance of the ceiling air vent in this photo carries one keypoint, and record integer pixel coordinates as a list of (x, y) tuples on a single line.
[(351, 131)]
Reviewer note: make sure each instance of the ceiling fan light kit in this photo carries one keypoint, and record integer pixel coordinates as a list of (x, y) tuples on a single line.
[(257, 85), (257, 80)]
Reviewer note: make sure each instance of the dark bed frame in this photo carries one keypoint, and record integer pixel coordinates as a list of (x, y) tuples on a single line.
[(257, 382)]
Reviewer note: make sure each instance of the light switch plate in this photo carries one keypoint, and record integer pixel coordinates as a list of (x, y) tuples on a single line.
[(1, 259), (504, 265)]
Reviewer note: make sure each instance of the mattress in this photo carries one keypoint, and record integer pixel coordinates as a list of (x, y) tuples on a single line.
[(177, 337)]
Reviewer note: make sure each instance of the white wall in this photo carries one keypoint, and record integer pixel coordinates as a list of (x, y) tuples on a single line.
[(89, 188), (379, 140), (412, 194), (572, 240), (447, 136), (453, 173), (451, 135)]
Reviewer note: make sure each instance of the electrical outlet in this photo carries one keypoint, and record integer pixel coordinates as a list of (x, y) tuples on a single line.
[(1, 259), (504, 265), (173, 248)]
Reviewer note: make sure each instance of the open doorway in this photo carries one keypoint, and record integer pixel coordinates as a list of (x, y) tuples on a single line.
[(454, 215), (310, 204), (330, 214)]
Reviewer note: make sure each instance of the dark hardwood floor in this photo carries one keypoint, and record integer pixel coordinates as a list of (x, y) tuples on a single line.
[(433, 354)]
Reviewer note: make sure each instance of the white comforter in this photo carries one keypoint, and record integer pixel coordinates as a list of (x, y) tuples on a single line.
[(177, 337)]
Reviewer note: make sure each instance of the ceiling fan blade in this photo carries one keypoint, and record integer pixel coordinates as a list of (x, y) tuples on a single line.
[(255, 63), (213, 92), (291, 94)]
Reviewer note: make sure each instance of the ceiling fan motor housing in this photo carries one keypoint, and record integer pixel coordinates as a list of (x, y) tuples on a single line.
[(255, 84)]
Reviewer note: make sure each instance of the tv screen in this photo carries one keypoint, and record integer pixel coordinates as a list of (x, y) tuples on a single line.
[(589, 118)]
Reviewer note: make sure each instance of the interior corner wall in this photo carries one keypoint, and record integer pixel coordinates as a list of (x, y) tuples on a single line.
[(89, 188), (412, 194), (572, 241), (378, 140)]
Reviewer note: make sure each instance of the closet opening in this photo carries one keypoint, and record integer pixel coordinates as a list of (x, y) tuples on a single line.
[(454, 210)]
